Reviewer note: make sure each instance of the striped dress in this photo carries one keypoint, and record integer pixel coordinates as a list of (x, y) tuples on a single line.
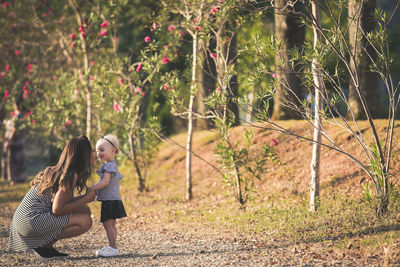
[(34, 224)]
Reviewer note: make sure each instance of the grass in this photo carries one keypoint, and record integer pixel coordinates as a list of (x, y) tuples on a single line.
[(278, 210)]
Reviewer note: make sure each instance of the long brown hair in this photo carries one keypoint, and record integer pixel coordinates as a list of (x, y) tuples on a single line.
[(75, 159)]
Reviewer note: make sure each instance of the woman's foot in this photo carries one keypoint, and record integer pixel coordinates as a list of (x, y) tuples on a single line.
[(49, 253), (107, 252), (45, 253)]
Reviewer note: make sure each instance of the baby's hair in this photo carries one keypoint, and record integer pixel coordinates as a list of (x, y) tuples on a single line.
[(112, 140)]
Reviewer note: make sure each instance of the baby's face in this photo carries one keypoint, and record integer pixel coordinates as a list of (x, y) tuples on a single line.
[(105, 151)]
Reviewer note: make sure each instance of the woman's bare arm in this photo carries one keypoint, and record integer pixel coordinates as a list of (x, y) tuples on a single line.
[(62, 205)]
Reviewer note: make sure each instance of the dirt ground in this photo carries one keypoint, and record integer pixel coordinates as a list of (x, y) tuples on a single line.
[(148, 241)]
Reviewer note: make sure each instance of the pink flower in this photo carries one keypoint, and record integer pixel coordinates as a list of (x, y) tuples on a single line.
[(138, 89), (17, 53), (214, 56), (214, 10), (27, 83), (139, 67), (30, 112), (7, 68), (165, 60), (91, 78), (154, 26), (5, 4), (12, 114), (147, 39), (5, 94), (44, 14), (72, 45), (33, 121), (103, 33), (198, 28), (274, 141), (104, 24), (195, 20), (274, 75), (83, 34), (117, 107), (29, 67), (171, 27), (72, 36), (53, 77), (81, 29), (92, 63), (166, 87), (180, 33), (144, 93), (68, 122), (26, 91), (120, 81)]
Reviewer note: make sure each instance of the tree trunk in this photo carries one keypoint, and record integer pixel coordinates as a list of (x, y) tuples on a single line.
[(201, 74), (361, 19), (85, 79), (189, 193), (318, 87), (291, 33)]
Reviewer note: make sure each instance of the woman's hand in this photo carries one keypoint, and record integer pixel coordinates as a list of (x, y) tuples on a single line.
[(90, 195)]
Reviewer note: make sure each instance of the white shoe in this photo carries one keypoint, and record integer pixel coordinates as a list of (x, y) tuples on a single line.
[(107, 252)]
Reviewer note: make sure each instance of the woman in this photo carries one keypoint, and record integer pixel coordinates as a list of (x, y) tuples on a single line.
[(49, 211)]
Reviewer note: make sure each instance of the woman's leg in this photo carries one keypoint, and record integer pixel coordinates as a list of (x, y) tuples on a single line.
[(79, 223), (111, 229)]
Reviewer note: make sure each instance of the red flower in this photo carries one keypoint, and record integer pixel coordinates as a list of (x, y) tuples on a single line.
[(17, 53), (104, 24), (2, 74), (274, 141), (83, 34), (154, 26), (214, 56), (171, 27), (29, 113), (5, 94), (198, 28), (180, 33), (29, 67), (72, 36), (81, 29), (103, 33), (214, 10), (68, 122), (27, 83), (5, 4), (139, 67), (165, 60), (12, 114), (120, 81), (147, 39), (7, 68), (166, 87), (33, 121)]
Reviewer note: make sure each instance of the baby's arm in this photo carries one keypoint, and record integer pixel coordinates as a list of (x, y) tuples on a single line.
[(103, 183)]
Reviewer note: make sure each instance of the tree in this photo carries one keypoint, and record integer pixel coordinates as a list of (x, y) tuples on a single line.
[(377, 150), (362, 53), (289, 33)]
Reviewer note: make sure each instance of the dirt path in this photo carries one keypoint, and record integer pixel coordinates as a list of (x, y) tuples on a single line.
[(158, 247)]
